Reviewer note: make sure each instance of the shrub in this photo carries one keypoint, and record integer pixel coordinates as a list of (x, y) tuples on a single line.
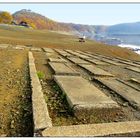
[(40, 75), (5, 17)]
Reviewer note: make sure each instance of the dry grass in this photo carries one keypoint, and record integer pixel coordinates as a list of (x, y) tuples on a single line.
[(44, 38), (15, 103)]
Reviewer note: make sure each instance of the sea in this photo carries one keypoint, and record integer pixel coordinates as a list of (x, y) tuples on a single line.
[(135, 48), (131, 41)]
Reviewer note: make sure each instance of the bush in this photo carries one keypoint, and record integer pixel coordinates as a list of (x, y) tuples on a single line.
[(5, 17), (40, 75)]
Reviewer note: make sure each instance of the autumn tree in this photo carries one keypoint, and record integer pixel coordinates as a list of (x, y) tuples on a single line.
[(5, 17)]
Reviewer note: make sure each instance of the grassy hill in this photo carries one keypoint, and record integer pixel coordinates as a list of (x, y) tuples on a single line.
[(44, 38), (39, 21)]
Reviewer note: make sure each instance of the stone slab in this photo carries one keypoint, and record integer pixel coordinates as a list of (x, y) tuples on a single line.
[(54, 56), (129, 63), (48, 50), (86, 54), (81, 52), (41, 117), (66, 54), (74, 53), (93, 130), (135, 69), (60, 51), (81, 55), (49, 54), (19, 47), (95, 70), (107, 57), (57, 60), (78, 60), (83, 97), (111, 62), (96, 57), (135, 80), (130, 84), (125, 91), (57, 49), (99, 55), (4, 46), (36, 49), (62, 69), (119, 58), (137, 62), (70, 51), (115, 59), (97, 62)]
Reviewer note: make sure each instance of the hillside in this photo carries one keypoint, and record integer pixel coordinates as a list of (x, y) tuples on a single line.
[(91, 31), (44, 38), (39, 21), (42, 22), (45, 34), (124, 28)]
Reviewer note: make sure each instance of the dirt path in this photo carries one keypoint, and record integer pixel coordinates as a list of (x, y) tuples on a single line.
[(15, 94)]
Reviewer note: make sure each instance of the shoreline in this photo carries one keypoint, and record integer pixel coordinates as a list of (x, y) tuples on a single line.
[(134, 48)]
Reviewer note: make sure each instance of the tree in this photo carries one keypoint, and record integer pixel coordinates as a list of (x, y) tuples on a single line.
[(33, 25), (5, 17)]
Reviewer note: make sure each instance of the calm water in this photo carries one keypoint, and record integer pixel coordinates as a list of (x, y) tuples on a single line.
[(128, 39)]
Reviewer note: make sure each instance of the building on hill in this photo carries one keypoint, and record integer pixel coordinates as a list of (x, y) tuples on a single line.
[(82, 39), (25, 24)]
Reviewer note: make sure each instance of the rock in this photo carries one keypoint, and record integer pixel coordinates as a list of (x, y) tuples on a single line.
[(3, 135), (17, 70), (62, 111), (125, 104), (56, 95), (112, 92), (17, 112), (51, 108), (120, 117), (90, 78), (19, 135), (12, 124), (17, 82)]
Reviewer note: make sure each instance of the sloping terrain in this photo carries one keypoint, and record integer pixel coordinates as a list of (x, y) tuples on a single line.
[(115, 100), (127, 33), (44, 38)]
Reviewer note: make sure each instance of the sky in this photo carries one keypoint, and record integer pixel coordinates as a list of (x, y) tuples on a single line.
[(91, 14)]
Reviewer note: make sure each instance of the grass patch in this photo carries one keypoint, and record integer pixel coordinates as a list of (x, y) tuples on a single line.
[(40, 75)]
